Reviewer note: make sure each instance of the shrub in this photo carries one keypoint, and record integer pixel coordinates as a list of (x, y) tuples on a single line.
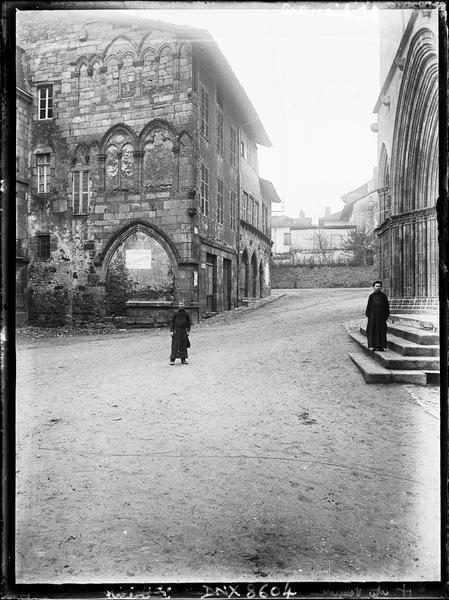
[(47, 308)]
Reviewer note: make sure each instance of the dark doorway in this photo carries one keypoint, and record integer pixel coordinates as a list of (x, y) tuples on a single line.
[(227, 284), (254, 274), (261, 278), (211, 283), (244, 270)]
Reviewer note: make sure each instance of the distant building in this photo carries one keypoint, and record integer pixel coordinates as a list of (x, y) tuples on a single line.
[(407, 135), (137, 151), (298, 241)]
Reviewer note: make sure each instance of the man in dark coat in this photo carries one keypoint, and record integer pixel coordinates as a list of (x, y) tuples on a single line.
[(180, 329), (377, 311)]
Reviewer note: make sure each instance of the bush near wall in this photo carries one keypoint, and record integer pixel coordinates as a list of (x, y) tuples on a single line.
[(322, 276), (47, 308)]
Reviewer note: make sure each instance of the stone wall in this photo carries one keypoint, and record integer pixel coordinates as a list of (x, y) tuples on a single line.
[(322, 276), (122, 123)]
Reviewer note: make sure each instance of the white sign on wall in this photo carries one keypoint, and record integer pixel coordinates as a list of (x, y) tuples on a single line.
[(138, 259)]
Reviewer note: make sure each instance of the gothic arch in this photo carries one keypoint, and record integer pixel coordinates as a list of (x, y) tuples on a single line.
[(185, 134), (119, 127), (155, 123), (126, 54), (116, 39), (162, 47), (94, 146), (145, 52), (141, 50), (80, 153), (80, 61), (95, 58), (111, 58), (124, 233), (417, 108)]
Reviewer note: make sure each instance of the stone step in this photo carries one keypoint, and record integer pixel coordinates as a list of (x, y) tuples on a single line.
[(372, 372), (393, 361), (409, 376), (418, 336), (406, 347), (429, 322), (433, 377)]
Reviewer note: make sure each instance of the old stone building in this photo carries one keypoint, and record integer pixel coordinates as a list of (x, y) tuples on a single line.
[(23, 112), (143, 176), (407, 133)]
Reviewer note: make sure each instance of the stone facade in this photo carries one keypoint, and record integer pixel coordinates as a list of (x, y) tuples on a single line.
[(407, 112), (135, 131), (23, 132)]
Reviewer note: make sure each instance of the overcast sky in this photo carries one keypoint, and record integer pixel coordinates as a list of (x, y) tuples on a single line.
[(313, 77)]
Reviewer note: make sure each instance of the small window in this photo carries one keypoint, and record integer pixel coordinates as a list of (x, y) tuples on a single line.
[(80, 192), (45, 102), (204, 191), (233, 203), (220, 131), (204, 109), (287, 239), (43, 173), (220, 203), (43, 246), (234, 149)]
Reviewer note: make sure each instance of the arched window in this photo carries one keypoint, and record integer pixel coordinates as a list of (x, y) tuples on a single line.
[(158, 159), (119, 172)]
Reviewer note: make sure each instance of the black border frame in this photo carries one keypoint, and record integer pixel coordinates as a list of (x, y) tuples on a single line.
[(374, 589)]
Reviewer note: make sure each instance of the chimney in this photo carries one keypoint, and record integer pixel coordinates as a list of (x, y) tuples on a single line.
[(327, 211), (302, 214)]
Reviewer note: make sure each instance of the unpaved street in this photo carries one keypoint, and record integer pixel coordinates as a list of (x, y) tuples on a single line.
[(266, 458)]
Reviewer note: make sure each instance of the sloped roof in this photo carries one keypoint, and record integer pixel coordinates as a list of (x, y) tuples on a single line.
[(268, 191), (333, 217), (284, 221), (357, 193)]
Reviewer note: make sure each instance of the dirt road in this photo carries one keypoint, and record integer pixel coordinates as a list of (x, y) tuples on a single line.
[(267, 457)]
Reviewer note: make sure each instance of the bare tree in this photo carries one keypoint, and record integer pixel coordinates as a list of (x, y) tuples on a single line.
[(322, 248), (360, 246)]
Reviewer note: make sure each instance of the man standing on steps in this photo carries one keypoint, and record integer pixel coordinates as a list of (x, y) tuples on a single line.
[(377, 311), (180, 329)]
